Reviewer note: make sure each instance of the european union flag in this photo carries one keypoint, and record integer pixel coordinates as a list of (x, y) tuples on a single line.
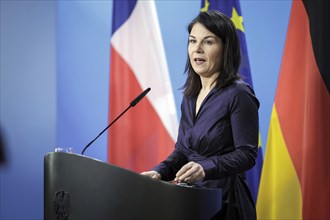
[(232, 9)]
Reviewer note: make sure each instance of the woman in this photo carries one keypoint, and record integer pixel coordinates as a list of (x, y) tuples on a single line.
[(218, 133)]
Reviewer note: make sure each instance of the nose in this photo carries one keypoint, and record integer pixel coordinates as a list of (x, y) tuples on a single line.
[(198, 47)]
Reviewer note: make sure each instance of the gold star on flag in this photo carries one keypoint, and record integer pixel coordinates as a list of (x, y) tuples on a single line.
[(206, 6), (238, 20)]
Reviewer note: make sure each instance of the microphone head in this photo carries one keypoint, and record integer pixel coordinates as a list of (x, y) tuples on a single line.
[(137, 99)]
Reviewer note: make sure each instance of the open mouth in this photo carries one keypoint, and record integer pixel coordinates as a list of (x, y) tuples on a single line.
[(199, 61)]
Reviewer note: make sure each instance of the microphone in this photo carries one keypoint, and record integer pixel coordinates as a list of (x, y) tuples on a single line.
[(132, 104), (137, 99)]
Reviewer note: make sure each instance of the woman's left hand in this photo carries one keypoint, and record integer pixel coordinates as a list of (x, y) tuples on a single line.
[(190, 173)]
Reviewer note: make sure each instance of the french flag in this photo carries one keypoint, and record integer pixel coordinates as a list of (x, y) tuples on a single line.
[(146, 134)]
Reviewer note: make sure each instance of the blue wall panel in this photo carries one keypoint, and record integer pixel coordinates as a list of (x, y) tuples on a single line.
[(55, 73)]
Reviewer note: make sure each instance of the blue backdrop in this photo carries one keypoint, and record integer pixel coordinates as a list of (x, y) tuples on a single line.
[(55, 73)]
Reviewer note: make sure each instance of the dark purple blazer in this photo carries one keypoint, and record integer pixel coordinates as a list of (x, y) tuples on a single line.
[(223, 138)]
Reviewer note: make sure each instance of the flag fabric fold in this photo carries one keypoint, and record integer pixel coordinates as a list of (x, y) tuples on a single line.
[(295, 176), (232, 9), (145, 135)]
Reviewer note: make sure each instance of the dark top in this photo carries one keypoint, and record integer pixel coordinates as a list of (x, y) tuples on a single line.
[(223, 139)]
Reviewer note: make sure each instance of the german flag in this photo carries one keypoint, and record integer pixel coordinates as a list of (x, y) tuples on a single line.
[(295, 177)]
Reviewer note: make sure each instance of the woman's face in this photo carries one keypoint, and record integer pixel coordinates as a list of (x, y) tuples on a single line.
[(205, 51)]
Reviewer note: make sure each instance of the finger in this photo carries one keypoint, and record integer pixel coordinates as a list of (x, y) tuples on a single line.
[(187, 168), (189, 178), (146, 173), (151, 174), (182, 176), (199, 174), (194, 174), (188, 175), (183, 170)]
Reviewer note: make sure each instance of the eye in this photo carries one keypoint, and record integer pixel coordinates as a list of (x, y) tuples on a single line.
[(191, 41), (208, 42)]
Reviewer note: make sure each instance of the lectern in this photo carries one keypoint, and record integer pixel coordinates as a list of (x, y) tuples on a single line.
[(79, 187)]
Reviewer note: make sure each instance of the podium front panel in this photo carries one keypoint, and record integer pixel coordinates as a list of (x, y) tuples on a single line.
[(79, 187)]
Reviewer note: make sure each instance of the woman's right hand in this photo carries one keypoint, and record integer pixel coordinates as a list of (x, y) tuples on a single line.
[(153, 174)]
